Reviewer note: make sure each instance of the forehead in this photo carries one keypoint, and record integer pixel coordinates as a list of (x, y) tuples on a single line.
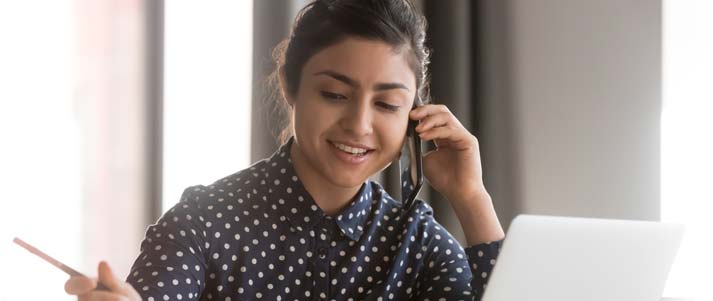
[(366, 61)]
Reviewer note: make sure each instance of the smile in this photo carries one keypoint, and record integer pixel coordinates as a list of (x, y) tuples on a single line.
[(350, 149), (351, 154)]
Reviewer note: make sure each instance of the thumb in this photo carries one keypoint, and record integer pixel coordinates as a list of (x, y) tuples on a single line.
[(108, 279)]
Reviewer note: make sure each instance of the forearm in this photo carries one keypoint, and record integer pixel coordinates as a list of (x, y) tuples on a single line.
[(478, 218)]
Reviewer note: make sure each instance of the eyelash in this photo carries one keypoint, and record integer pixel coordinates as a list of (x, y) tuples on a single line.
[(332, 96), (339, 97)]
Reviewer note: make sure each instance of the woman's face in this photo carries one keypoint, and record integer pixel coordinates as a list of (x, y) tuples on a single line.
[(351, 110)]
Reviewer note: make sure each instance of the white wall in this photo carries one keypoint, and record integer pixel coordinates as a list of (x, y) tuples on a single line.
[(576, 95)]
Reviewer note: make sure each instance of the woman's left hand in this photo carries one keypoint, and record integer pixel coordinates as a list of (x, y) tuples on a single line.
[(454, 167)]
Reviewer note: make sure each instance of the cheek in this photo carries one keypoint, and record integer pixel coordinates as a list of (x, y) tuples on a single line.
[(392, 134), (311, 118)]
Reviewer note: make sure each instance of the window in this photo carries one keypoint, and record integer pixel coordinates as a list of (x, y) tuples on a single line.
[(208, 58), (40, 154), (687, 142)]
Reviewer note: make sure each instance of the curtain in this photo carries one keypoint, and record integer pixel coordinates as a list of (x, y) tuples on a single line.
[(469, 76)]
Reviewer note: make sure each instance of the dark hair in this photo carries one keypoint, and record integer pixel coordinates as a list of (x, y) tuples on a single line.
[(323, 23)]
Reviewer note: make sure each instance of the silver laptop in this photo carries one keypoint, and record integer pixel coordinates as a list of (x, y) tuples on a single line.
[(565, 258)]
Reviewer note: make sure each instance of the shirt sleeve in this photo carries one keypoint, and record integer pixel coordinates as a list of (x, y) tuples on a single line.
[(481, 259), (170, 265), (451, 273)]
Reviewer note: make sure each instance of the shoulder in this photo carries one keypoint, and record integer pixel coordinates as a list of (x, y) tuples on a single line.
[(230, 192)]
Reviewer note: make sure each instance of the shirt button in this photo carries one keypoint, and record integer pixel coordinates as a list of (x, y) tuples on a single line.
[(322, 253)]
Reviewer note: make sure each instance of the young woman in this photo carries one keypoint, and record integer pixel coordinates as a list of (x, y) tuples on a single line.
[(306, 223)]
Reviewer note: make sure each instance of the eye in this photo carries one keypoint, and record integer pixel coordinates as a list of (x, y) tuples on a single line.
[(332, 96), (391, 108)]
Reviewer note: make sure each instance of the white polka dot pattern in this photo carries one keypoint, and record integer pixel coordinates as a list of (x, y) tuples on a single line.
[(258, 234)]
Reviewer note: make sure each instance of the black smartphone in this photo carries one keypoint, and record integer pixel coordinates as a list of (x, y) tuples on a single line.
[(410, 164)]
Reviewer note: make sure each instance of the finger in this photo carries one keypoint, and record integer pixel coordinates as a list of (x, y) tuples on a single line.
[(102, 296), (428, 109), (116, 285), (432, 121), (449, 136), (107, 277), (443, 132), (79, 285)]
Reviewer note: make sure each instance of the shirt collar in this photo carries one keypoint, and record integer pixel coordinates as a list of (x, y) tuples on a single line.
[(353, 219), (298, 206)]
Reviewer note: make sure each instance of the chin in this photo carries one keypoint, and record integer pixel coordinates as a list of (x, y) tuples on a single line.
[(345, 180)]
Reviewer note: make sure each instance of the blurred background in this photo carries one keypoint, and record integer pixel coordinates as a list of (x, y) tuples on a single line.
[(109, 109)]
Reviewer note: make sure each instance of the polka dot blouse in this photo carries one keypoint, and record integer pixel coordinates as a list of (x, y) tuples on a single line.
[(258, 234)]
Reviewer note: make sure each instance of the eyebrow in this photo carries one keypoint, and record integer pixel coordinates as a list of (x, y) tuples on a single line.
[(345, 79)]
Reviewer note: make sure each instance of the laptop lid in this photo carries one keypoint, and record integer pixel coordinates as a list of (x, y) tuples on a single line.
[(566, 258)]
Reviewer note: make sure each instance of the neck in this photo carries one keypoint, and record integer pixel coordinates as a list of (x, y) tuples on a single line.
[(331, 198)]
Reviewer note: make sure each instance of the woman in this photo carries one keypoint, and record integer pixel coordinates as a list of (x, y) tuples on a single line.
[(307, 223)]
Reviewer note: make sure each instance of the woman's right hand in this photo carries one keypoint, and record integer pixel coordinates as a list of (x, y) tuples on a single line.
[(84, 287)]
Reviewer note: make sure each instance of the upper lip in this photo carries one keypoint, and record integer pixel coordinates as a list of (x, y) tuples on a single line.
[(352, 144)]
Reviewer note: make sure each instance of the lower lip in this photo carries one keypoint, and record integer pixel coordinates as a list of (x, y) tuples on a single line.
[(347, 157)]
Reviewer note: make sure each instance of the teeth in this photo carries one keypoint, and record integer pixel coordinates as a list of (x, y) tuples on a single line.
[(349, 149)]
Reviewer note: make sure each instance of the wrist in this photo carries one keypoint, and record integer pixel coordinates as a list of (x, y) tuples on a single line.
[(470, 199), (477, 217), (473, 205)]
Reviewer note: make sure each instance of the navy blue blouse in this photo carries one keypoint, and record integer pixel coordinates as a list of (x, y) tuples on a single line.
[(257, 234)]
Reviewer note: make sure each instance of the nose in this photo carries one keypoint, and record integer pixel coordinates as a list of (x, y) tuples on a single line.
[(358, 119)]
